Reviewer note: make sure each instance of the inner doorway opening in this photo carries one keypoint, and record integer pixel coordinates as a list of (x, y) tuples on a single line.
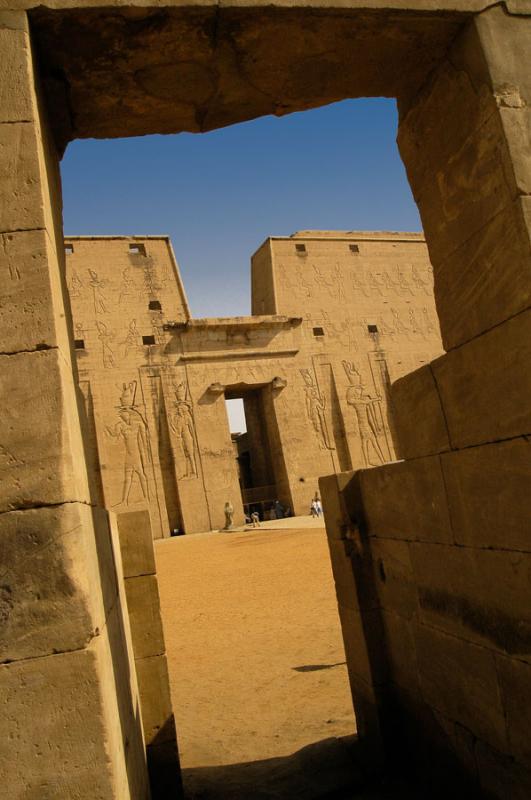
[(251, 422)]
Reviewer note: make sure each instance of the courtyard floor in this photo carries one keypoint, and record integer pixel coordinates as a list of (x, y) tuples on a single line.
[(255, 654)]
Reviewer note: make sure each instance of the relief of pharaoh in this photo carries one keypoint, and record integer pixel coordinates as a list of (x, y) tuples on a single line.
[(132, 431), (369, 416), (182, 424)]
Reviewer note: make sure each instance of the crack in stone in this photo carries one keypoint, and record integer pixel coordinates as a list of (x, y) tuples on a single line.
[(39, 348)]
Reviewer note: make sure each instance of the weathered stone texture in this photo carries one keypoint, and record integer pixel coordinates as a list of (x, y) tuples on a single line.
[(15, 96), (482, 392), (407, 500), (144, 615), (42, 469), (153, 685), (418, 415), (488, 494), (455, 594), (47, 597), (460, 679), (54, 702)]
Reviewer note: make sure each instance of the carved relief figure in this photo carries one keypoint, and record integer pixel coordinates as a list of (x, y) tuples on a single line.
[(419, 281), (76, 284), (403, 283), (359, 284), (369, 416), (105, 337), (375, 284), (397, 322), (100, 301), (131, 339), (132, 431), (127, 285), (315, 408), (428, 324), (338, 279), (413, 321), (182, 424)]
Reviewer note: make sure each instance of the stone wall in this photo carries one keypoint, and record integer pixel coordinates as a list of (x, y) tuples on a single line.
[(432, 555)]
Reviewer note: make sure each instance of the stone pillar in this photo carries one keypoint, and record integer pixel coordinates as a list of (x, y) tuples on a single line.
[(69, 723), (143, 604)]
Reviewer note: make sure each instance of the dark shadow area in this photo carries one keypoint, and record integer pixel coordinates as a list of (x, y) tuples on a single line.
[(317, 667), (326, 770)]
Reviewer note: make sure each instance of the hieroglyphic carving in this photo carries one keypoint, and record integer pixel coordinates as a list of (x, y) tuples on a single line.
[(76, 285), (359, 284), (369, 416), (428, 322), (126, 286), (315, 408), (132, 430), (420, 283), (131, 339), (397, 322), (97, 285), (338, 279), (403, 283), (414, 326), (105, 336), (182, 424)]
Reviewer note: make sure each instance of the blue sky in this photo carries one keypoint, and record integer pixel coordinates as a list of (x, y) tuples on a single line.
[(220, 194)]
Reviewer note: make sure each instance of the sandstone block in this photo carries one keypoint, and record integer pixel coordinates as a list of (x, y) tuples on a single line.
[(460, 680), (30, 292), (488, 494), (54, 702), (468, 191), (143, 605), (427, 148), (37, 398), (50, 600), (505, 40), (485, 397), (515, 686), (418, 415), (480, 595), (154, 691), (393, 576), (493, 266), (406, 500), (15, 94), (136, 543), (21, 203)]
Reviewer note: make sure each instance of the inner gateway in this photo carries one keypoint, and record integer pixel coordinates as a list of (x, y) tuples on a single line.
[(255, 456)]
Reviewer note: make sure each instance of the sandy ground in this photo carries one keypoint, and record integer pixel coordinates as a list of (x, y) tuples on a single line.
[(256, 660)]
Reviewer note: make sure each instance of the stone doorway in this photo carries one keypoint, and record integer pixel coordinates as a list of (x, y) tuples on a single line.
[(260, 463), (459, 69)]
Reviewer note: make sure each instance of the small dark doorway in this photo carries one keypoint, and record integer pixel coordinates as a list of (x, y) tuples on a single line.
[(251, 423)]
